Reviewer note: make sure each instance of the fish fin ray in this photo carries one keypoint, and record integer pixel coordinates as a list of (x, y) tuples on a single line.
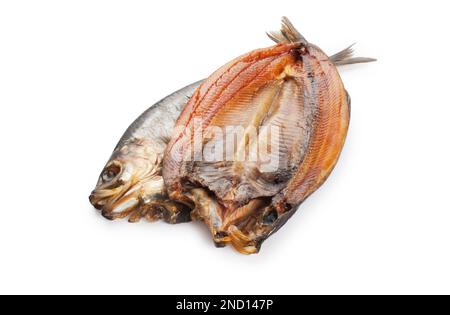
[(345, 57), (287, 34)]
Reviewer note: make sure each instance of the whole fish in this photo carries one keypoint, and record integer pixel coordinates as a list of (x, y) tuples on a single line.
[(131, 184), (241, 205), (289, 114)]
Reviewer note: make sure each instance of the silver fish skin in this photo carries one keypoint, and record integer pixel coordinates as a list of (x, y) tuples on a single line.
[(131, 184)]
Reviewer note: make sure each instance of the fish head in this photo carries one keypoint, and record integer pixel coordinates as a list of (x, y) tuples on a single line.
[(130, 180)]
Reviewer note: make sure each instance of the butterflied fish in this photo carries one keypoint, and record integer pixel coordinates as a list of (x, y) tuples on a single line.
[(258, 137)]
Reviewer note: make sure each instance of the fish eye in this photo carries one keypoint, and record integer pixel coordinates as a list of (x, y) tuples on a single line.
[(110, 172)]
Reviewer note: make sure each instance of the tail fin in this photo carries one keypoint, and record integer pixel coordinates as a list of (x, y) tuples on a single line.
[(345, 57), (287, 34)]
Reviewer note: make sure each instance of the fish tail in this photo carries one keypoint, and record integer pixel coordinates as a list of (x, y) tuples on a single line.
[(287, 34), (345, 57)]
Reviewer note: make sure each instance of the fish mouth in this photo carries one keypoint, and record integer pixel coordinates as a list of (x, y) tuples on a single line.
[(124, 191), (134, 191), (116, 201)]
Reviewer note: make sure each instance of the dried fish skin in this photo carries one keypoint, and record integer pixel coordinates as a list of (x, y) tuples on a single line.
[(293, 87)]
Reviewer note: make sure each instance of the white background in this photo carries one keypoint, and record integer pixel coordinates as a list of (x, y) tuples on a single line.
[(75, 74)]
